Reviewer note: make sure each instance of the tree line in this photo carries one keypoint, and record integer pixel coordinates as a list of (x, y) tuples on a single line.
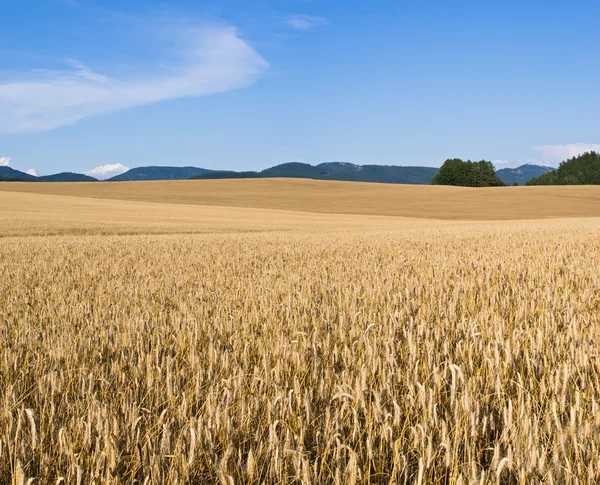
[(581, 170)]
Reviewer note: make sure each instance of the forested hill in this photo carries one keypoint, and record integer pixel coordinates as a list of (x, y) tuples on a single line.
[(67, 177), (336, 171), (581, 170), (159, 173), (10, 174), (522, 174)]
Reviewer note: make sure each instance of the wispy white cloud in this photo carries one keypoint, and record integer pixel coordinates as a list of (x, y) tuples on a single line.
[(305, 22), (85, 72), (206, 61), (107, 171), (559, 153), (32, 171), (5, 161), (500, 162)]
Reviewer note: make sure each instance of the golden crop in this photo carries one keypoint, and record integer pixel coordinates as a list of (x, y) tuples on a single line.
[(295, 348), (318, 196)]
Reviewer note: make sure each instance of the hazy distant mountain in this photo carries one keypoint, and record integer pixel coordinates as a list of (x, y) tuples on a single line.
[(336, 171), (160, 173), (8, 173), (67, 177), (325, 171), (521, 174)]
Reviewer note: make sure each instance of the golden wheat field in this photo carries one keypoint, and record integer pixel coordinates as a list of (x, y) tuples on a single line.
[(416, 201), (149, 337)]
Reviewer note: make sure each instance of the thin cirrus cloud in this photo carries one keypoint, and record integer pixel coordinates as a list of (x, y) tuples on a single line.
[(208, 60), (500, 162), (559, 153), (5, 161), (107, 171), (305, 22)]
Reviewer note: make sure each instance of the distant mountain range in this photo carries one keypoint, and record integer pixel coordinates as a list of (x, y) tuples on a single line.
[(370, 173), (522, 174), (336, 171), (325, 171)]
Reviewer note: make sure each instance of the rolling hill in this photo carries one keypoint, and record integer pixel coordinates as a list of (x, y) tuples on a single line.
[(334, 197)]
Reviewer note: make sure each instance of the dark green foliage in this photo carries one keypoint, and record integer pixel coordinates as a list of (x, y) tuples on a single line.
[(515, 184), (227, 174), (581, 170), (292, 169), (467, 174)]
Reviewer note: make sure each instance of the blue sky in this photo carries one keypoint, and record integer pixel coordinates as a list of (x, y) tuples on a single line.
[(96, 86)]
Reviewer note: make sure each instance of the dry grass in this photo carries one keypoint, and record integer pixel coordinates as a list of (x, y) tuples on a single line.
[(431, 202), (294, 348)]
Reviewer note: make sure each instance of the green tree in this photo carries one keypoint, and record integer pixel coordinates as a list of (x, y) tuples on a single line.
[(467, 174)]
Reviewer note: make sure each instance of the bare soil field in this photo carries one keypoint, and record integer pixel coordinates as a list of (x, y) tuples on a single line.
[(156, 334)]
